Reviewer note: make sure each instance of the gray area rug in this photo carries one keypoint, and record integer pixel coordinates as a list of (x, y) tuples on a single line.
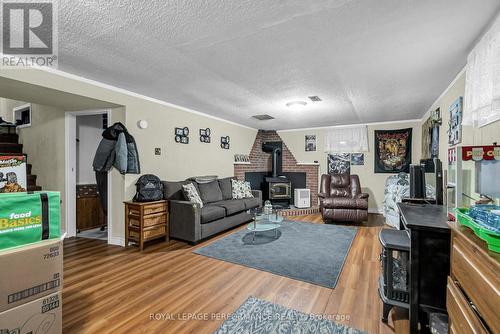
[(313, 253), (257, 316)]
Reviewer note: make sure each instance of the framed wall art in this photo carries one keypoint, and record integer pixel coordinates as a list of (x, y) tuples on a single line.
[(224, 142), (182, 135), (310, 143), (357, 159), (205, 135), (339, 163), (455, 122)]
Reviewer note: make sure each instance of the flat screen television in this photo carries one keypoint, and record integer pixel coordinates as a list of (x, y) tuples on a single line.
[(430, 171)]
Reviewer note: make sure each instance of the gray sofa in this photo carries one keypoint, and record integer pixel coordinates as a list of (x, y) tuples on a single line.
[(220, 212)]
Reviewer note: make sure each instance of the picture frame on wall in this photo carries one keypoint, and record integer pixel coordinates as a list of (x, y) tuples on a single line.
[(224, 142), (455, 122), (310, 143), (182, 135), (205, 135), (357, 159), (339, 163)]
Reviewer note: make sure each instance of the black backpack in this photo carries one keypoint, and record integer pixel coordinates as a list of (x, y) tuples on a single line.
[(148, 189)]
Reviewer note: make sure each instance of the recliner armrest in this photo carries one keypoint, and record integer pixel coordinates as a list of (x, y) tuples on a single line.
[(362, 196)]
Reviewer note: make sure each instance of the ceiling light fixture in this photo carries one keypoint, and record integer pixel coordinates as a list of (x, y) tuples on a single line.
[(296, 105)]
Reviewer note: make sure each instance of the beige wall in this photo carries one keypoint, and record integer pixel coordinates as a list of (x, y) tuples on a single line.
[(371, 182), (470, 136), (6, 107), (485, 135), (176, 162)]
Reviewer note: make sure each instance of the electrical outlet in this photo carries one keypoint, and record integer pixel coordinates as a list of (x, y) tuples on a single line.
[(157, 151)]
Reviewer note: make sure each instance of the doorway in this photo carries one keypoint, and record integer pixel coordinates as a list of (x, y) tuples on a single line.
[(88, 205)]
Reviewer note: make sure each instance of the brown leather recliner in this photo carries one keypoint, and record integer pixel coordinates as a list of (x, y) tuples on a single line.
[(341, 199)]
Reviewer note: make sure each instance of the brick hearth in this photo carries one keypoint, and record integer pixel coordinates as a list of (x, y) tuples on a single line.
[(261, 161)]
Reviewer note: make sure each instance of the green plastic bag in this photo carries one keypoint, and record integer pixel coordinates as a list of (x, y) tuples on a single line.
[(29, 217)]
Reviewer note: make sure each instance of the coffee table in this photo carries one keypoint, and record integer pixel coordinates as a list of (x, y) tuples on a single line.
[(263, 222)]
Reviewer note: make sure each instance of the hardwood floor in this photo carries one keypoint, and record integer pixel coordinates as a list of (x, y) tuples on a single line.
[(110, 289)]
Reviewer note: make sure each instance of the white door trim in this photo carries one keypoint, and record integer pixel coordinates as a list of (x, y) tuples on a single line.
[(70, 172)]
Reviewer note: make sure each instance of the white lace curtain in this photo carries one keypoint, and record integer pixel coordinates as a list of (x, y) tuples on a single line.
[(482, 80), (347, 140)]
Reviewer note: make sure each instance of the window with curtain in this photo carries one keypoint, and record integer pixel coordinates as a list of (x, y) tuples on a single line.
[(482, 80), (347, 140)]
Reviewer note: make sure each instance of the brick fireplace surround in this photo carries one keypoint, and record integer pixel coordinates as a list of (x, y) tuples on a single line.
[(261, 162)]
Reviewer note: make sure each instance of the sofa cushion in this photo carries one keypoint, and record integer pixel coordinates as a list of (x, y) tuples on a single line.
[(210, 192), (232, 206), (173, 190), (226, 188), (209, 213), (251, 203)]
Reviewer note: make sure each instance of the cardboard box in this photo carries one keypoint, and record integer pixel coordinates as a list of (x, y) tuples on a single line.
[(43, 315), (30, 272)]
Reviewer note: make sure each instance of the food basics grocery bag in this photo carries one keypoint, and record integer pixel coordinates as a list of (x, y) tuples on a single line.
[(29, 217)]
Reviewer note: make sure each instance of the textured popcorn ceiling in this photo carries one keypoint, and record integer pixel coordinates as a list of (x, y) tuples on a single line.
[(368, 60)]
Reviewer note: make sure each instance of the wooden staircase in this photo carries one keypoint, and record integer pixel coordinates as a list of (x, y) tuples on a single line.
[(9, 145)]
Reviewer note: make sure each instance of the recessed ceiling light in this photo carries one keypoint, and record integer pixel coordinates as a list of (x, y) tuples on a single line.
[(296, 105)]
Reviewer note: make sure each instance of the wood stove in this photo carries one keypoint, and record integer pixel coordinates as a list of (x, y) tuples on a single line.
[(278, 188)]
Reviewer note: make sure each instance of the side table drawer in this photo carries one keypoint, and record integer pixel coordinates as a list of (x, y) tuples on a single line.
[(149, 220), (149, 233)]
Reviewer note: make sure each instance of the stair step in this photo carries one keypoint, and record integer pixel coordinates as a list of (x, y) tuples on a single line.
[(34, 188), (11, 138), (31, 180), (11, 148)]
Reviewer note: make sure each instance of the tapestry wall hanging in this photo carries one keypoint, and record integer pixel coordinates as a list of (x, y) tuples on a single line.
[(339, 163), (455, 123), (392, 151)]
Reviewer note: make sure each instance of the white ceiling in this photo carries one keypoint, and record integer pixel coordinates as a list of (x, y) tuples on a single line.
[(369, 60)]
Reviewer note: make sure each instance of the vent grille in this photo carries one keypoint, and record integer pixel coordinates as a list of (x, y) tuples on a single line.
[(315, 98), (264, 117)]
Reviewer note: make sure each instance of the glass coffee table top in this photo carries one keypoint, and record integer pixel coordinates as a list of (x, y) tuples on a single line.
[(261, 227), (264, 222)]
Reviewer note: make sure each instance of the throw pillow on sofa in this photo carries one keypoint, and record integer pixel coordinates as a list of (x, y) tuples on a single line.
[(192, 194), (210, 192), (241, 189)]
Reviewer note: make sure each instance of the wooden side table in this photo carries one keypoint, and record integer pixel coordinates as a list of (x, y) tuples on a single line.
[(145, 221)]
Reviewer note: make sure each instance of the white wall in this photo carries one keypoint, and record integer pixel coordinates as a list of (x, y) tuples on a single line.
[(88, 133)]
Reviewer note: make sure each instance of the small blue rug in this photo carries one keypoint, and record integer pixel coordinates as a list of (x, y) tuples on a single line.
[(257, 316), (313, 253)]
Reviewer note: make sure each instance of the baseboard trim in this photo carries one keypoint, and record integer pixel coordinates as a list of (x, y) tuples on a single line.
[(375, 210), (117, 241)]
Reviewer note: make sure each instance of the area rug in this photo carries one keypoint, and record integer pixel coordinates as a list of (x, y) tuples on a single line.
[(313, 253), (257, 316)]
